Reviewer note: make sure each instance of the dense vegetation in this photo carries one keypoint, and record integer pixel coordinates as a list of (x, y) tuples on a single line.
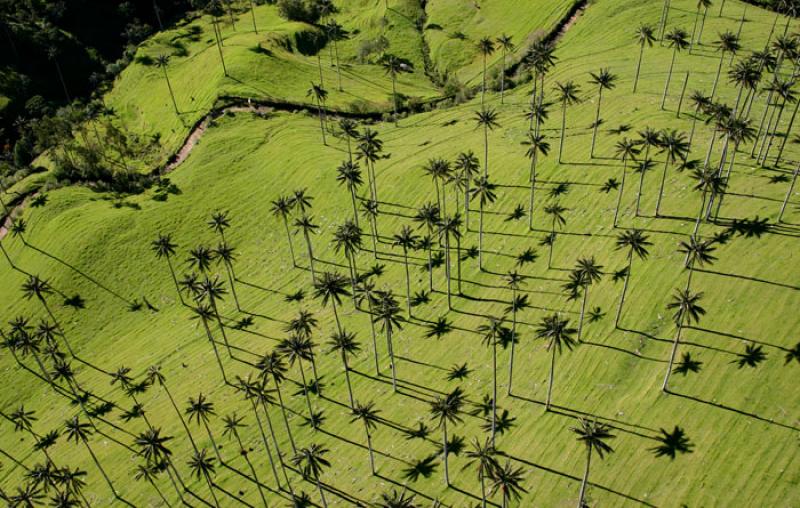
[(570, 282)]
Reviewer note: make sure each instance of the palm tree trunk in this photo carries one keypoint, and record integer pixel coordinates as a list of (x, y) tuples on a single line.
[(394, 97), (483, 485), (788, 194), (774, 133), (694, 29), (338, 66), (391, 357), (624, 289), (563, 129), (788, 131), (596, 121), (673, 352), (253, 469), (503, 78), (621, 190), (307, 397), (211, 488), (486, 151), (444, 453), (321, 123), (661, 187), (347, 379), (253, 14), (694, 124), (583, 311), (683, 94), (585, 481), (483, 89), (447, 269), (552, 374), (266, 445), (480, 239), (408, 283), (669, 78), (283, 413), (374, 337), (510, 357), (310, 257), (218, 38), (321, 492), (638, 67), (533, 186), (494, 388), (761, 123), (171, 92), (369, 447)]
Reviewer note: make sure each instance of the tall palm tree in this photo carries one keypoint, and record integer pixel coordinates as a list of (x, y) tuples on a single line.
[(164, 247), (485, 192), (675, 147), (319, 94), (273, 366), (451, 228), (698, 253), (282, 207), (312, 462), (558, 334), (345, 344), (307, 226), (233, 423), (200, 410), (587, 272), (369, 209), (368, 415), (603, 80), (486, 47), (506, 46), (514, 280), (349, 128), (162, 62), (370, 148), (406, 239), (156, 376), (786, 95), (677, 39), (394, 65), (446, 409), (542, 59), (645, 36), (687, 309), (336, 33), (701, 103), (507, 480), (331, 287), (727, 42), (226, 255), (626, 149), (701, 5), (556, 213), (493, 332), (296, 349), (567, 96), (203, 467), (636, 242), (79, 432), (204, 313), (537, 146), (789, 193), (349, 175), (440, 172), (594, 436), (482, 459), (486, 118), (347, 238), (467, 164), (387, 313)]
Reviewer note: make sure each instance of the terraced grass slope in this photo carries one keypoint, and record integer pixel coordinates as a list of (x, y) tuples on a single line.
[(743, 422)]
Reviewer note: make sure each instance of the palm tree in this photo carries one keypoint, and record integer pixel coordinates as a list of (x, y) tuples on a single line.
[(79, 432), (369, 209), (336, 33), (707, 180), (677, 39), (282, 207), (514, 280), (567, 96), (215, 10), (541, 59), (200, 258), (162, 62), (507, 480), (204, 313), (675, 146), (604, 80), (201, 410), (346, 344), (407, 240), (626, 149), (789, 193), (636, 242), (272, 365), (387, 313), (447, 409), (486, 118), (307, 226), (311, 460), (786, 94), (331, 287), (203, 467), (701, 102), (538, 146), (164, 247), (350, 130), (368, 415), (440, 172), (687, 308), (493, 331), (587, 273), (485, 192), (347, 238), (728, 42), (233, 423), (482, 458), (468, 165), (558, 334), (451, 228), (369, 148), (594, 435), (486, 47), (226, 255), (506, 46), (319, 94), (393, 66), (296, 349), (155, 376), (556, 213), (645, 36), (349, 175), (704, 5), (698, 253)]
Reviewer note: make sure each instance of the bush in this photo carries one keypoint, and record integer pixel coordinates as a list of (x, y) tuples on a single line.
[(307, 11)]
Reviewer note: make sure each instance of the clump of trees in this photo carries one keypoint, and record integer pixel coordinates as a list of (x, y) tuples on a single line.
[(307, 11)]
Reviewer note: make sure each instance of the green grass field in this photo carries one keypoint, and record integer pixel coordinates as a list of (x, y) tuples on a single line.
[(744, 423)]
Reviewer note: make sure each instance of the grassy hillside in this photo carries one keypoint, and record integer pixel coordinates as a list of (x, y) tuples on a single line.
[(743, 422)]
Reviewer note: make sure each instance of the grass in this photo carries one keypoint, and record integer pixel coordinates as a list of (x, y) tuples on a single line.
[(244, 161)]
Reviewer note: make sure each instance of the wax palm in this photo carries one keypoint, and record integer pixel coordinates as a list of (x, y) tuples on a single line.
[(556, 213), (726, 43), (273, 366), (675, 147), (296, 349), (594, 436), (319, 95), (626, 149), (486, 47), (80, 432), (407, 240), (485, 192), (636, 243), (203, 467), (347, 238), (368, 415), (784, 89), (698, 253), (393, 65), (537, 146), (507, 480), (687, 310), (312, 462), (387, 313), (200, 258), (701, 102), (506, 45), (677, 39), (645, 36), (487, 119), (513, 281), (201, 410), (567, 95), (482, 458), (307, 226), (447, 409), (603, 80), (164, 248), (346, 345), (558, 334), (153, 446), (451, 228), (467, 164), (331, 287), (282, 207), (492, 332), (349, 175), (162, 62), (349, 128), (369, 148), (588, 272), (369, 210)]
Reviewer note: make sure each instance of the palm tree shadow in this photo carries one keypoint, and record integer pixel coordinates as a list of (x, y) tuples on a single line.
[(734, 410), (412, 489)]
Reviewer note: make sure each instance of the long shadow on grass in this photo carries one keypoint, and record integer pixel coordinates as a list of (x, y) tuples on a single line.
[(735, 410)]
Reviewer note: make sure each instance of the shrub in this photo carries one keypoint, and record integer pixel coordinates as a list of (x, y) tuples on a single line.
[(307, 11)]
